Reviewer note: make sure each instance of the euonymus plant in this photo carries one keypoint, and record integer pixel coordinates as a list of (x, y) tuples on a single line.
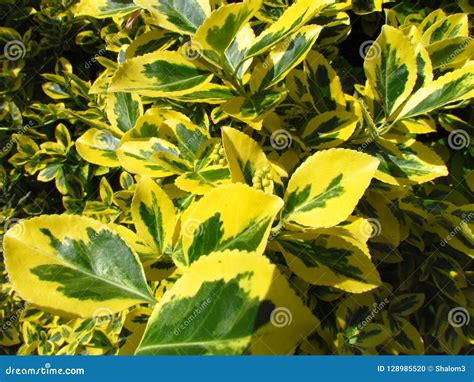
[(230, 179)]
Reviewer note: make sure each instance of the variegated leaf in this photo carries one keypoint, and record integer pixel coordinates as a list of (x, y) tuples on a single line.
[(218, 31), (455, 25), (123, 110), (209, 93), (225, 303), (80, 272), (105, 8), (190, 136), (181, 16), (236, 51), (339, 262), (232, 216), (329, 129), (446, 53), (408, 162), (284, 57), (245, 158), (160, 74), (153, 215), (139, 157), (323, 84), (252, 110), (390, 67), (289, 22), (453, 86), (325, 189), (149, 42), (98, 147), (199, 182)]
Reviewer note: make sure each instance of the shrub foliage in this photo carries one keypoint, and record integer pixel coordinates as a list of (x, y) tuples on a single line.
[(225, 177)]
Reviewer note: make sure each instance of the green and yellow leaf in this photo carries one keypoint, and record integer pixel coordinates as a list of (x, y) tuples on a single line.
[(407, 161), (105, 8), (284, 57), (123, 110), (236, 51), (190, 136), (408, 340), (245, 157), (214, 223), (149, 42), (160, 74), (98, 147), (323, 84), (153, 215), (181, 16), (391, 69), (253, 109), (325, 189), (87, 272), (209, 93), (139, 157), (453, 51), (228, 303), (289, 22), (201, 181), (455, 25), (453, 86), (219, 30), (329, 129), (333, 261)]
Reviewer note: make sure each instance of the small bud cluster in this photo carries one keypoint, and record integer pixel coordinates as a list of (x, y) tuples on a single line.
[(218, 155), (263, 179)]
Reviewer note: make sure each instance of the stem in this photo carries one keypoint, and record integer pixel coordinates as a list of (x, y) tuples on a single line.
[(373, 132)]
